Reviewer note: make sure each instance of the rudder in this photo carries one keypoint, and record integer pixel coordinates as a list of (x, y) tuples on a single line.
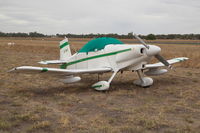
[(65, 51)]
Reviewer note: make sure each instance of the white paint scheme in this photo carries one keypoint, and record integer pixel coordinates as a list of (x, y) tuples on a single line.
[(70, 79), (52, 62), (113, 58), (57, 71), (155, 72), (101, 86), (172, 61), (144, 82)]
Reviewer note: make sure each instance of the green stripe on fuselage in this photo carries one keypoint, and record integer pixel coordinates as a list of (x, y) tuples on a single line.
[(63, 45), (63, 66)]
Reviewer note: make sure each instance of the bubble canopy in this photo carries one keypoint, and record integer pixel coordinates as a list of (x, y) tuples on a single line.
[(98, 44)]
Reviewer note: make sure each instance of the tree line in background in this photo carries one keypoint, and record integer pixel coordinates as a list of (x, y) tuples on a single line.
[(128, 36)]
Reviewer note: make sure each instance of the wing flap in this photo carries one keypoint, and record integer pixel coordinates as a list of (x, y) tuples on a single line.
[(56, 71), (171, 61)]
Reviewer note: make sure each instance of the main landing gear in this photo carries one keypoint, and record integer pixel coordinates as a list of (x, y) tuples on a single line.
[(104, 85), (143, 81)]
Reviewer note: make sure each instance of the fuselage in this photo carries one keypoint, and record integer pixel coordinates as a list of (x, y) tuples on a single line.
[(126, 57)]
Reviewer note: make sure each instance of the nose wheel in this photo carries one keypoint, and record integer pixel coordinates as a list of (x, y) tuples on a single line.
[(143, 81)]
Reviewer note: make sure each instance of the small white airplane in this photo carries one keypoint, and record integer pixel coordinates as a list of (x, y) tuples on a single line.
[(103, 55)]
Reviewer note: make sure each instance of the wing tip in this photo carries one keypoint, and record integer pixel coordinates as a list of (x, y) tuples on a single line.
[(182, 58), (12, 70)]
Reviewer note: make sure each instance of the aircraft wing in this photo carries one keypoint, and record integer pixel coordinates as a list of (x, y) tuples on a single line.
[(56, 71), (171, 61)]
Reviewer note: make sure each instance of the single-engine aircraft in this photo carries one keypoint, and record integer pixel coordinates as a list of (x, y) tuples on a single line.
[(102, 55)]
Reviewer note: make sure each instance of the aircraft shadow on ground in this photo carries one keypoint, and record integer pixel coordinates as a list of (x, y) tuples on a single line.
[(85, 86)]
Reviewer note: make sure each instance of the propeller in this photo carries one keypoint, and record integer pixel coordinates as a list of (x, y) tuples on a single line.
[(162, 59), (137, 37), (157, 56)]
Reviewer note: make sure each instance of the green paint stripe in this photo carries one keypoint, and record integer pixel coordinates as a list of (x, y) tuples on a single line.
[(63, 45), (44, 70), (97, 86), (63, 66)]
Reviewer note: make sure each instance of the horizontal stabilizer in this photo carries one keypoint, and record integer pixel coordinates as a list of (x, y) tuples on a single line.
[(46, 62)]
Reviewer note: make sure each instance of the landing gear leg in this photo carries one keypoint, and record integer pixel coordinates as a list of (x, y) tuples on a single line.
[(111, 78), (104, 85), (140, 76), (143, 81)]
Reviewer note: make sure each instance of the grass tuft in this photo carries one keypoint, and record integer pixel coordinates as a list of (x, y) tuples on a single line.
[(4, 125), (45, 125)]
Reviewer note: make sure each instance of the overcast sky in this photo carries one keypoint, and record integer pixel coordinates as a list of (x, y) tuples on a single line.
[(100, 16)]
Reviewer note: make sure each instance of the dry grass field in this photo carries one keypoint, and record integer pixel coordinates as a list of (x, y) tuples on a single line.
[(38, 104)]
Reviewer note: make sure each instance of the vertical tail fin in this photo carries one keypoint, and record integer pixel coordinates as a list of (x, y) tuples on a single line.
[(65, 51)]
